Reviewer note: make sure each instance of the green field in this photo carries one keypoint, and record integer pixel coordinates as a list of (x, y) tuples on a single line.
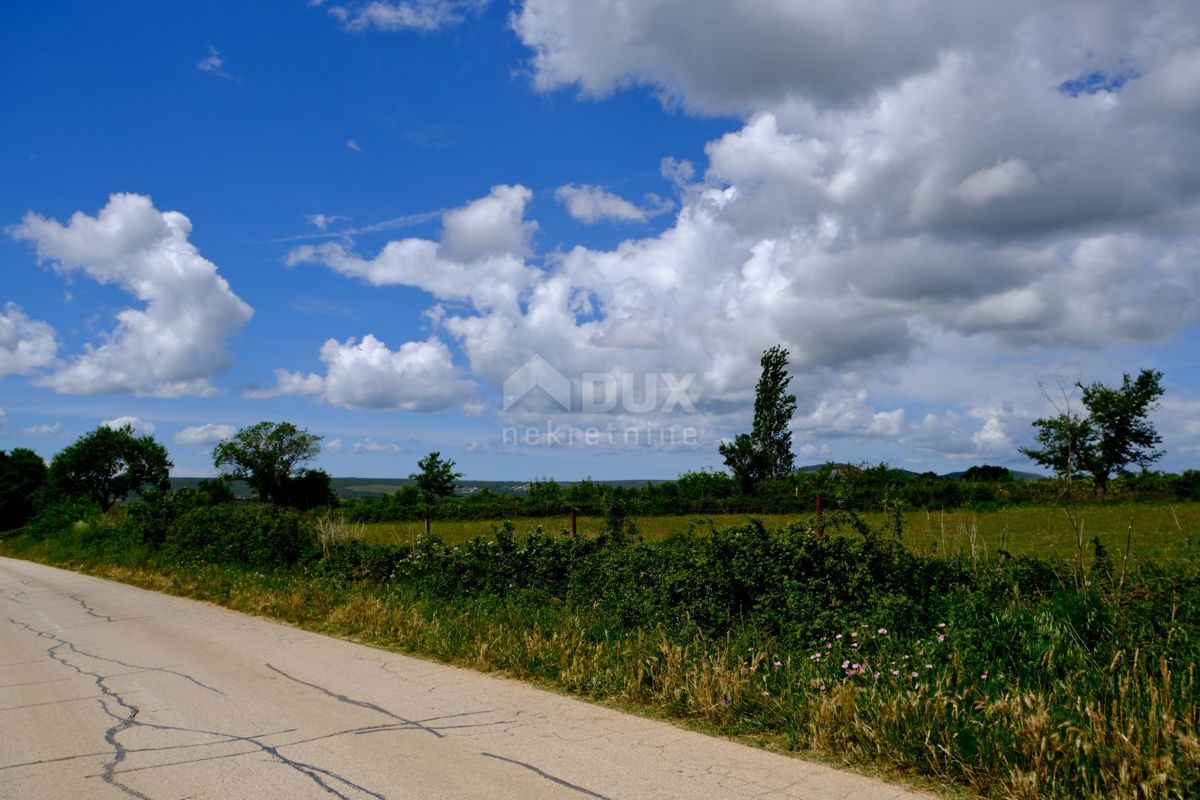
[(1163, 533)]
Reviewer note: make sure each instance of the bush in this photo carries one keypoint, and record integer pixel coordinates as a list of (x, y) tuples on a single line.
[(252, 535)]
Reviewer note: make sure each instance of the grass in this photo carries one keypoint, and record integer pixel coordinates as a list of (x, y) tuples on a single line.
[(1160, 533), (1014, 678)]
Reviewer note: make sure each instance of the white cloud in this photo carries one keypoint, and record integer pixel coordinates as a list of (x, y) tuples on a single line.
[(46, 429), (208, 433), (480, 256), (140, 426), (173, 345), (1, 420), (26, 344), (351, 144), (369, 445), (334, 446), (592, 204), (909, 187), (420, 376), (213, 64), (323, 221), (490, 226), (419, 15)]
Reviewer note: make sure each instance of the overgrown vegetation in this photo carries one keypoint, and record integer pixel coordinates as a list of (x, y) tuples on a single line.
[(1006, 675)]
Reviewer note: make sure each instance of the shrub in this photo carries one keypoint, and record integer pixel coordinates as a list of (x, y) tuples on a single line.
[(251, 535)]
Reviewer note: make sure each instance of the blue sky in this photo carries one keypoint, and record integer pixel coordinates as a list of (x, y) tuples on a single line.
[(364, 217)]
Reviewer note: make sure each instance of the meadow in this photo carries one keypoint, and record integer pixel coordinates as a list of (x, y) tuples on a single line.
[(1165, 533)]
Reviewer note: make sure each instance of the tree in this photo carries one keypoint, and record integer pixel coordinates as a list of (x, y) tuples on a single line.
[(437, 478), (108, 464), (1114, 434), (267, 456), (767, 451), (22, 477)]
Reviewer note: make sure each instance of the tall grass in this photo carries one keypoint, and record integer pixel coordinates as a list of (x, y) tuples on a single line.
[(1004, 675)]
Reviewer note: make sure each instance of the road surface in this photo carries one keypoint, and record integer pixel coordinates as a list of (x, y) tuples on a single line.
[(109, 691)]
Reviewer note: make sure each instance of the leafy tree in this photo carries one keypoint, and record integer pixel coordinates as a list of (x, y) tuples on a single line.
[(746, 460), (22, 477), (773, 410), (108, 464), (767, 451), (1114, 434), (267, 456), (437, 478), (987, 473)]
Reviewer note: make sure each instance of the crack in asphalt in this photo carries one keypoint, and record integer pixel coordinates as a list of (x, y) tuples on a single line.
[(138, 667), (341, 698), (548, 776), (122, 722), (91, 611)]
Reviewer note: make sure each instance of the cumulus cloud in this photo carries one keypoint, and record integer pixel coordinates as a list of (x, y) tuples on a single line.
[(420, 376), (140, 426), (592, 204), (208, 433), (481, 255), (419, 15), (26, 344), (917, 181), (174, 344)]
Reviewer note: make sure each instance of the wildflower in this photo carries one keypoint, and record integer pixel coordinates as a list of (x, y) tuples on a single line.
[(882, 631), (845, 663), (895, 672), (984, 675), (941, 624), (838, 636), (929, 666), (778, 665), (914, 674), (853, 634), (941, 637), (854, 646), (856, 666), (744, 670), (876, 676)]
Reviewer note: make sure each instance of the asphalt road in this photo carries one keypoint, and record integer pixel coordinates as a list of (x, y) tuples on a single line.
[(108, 691)]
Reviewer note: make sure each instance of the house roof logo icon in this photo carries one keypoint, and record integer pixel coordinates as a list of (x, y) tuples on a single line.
[(534, 378)]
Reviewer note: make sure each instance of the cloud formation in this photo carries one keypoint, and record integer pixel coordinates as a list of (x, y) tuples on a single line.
[(26, 344), (418, 15), (419, 376), (208, 433), (591, 204), (909, 187), (172, 346), (140, 426)]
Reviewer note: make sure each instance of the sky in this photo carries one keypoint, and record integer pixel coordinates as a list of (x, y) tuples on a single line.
[(552, 239)]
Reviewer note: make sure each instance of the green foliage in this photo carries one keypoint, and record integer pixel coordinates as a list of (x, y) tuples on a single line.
[(766, 452), (773, 410), (61, 517), (437, 477), (1114, 434), (1123, 434), (22, 479), (247, 534), (109, 464), (267, 456), (988, 474)]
